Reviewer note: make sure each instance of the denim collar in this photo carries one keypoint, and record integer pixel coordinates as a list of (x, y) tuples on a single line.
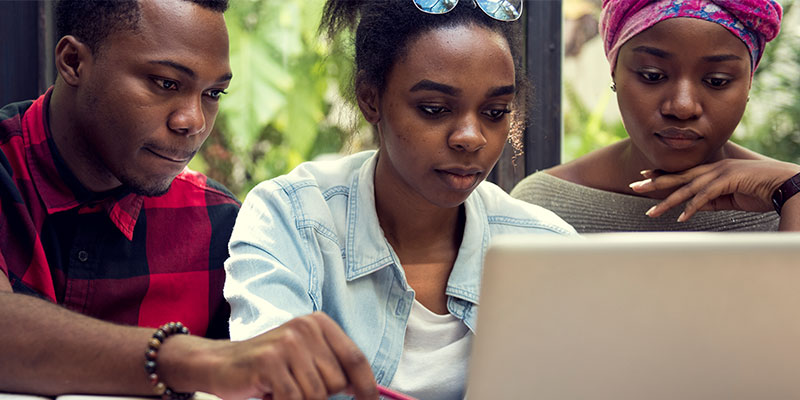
[(365, 255)]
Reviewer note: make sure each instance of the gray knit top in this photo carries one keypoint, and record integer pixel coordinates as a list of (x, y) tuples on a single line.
[(593, 210)]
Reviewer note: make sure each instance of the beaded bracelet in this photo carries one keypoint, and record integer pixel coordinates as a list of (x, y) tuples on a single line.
[(151, 357)]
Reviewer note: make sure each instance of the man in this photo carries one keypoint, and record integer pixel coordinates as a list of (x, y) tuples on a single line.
[(99, 216)]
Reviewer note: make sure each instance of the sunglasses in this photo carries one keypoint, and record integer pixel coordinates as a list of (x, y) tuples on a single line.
[(501, 10)]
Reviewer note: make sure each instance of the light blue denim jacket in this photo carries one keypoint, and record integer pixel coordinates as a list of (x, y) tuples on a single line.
[(310, 241)]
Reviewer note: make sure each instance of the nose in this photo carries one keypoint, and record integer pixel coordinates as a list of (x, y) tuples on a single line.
[(683, 101), (188, 118), (468, 135)]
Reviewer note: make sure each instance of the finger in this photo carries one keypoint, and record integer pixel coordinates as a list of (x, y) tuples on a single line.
[(650, 173), (352, 360), (706, 198), (282, 383), (303, 342), (657, 180), (305, 373), (681, 195), (330, 370)]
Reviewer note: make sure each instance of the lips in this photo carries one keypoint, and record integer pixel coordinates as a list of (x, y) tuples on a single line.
[(171, 155), (677, 138), (460, 178)]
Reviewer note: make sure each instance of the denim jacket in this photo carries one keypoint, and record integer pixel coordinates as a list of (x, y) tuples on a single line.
[(311, 241)]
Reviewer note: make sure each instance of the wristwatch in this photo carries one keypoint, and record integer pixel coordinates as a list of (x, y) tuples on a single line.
[(788, 189)]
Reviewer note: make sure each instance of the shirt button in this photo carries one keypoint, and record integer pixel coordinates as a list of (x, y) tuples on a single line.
[(83, 255)]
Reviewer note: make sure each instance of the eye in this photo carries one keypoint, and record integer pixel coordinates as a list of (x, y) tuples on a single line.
[(215, 94), (716, 83), (496, 114), (652, 76), (432, 110), (166, 84)]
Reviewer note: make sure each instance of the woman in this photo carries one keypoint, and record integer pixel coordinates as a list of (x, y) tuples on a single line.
[(682, 71), (390, 243)]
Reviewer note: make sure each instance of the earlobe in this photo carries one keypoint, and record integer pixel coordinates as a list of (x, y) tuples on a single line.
[(71, 57), (367, 97)]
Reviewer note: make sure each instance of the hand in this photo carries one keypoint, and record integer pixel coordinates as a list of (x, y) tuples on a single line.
[(309, 357), (730, 184)]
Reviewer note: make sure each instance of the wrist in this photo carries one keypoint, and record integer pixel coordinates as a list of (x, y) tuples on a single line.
[(180, 363), (785, 192)]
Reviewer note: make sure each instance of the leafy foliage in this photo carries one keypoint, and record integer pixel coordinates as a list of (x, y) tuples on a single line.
[(773, 126), (278, 110)]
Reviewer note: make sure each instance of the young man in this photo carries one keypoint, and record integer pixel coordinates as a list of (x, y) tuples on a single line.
[(102, 229)]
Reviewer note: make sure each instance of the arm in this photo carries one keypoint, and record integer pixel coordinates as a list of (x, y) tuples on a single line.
[(273, 273), (745, 185), (50, 350)]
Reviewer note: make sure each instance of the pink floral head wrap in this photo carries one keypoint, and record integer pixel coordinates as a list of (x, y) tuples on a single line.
[(755, 22)]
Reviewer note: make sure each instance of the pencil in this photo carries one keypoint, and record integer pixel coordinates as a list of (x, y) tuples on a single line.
[(392, 395)]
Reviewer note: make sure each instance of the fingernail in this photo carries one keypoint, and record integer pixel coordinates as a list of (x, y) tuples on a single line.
[(682, 217), (650, 210), (645, 171), (639, 184)]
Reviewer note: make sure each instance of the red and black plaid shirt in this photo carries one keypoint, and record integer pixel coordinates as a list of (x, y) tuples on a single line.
[(115, 256)]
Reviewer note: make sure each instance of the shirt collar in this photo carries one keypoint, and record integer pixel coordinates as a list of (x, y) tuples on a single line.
[(57, 186), (367, 249)]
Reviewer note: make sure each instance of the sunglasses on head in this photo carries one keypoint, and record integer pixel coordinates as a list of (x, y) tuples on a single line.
[(501, 10)]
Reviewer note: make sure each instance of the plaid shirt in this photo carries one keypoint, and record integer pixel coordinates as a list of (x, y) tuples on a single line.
[(115, 256)]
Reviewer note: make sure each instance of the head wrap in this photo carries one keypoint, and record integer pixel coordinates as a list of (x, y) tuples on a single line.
[(755, 22)]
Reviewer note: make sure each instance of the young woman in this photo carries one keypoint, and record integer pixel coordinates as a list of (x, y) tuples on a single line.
[(390, 243), (682, 71)]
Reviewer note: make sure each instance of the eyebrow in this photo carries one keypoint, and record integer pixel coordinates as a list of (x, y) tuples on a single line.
[(652, 51), (426, 84), (501, 91), (722, 57), (188, 71)]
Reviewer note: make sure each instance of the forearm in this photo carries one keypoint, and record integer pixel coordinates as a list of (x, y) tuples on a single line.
[(50, 350)]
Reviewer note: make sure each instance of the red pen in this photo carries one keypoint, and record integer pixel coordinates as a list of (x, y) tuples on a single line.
[(391, 394)]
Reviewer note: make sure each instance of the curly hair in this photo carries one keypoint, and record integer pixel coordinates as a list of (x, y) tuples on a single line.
[(383, 29), (91, 21)]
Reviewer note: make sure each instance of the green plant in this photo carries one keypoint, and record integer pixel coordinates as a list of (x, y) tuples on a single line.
[(771, 125), (585, 129), (286, 80)]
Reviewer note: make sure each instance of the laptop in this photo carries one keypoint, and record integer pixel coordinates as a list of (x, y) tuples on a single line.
[(639, 316)]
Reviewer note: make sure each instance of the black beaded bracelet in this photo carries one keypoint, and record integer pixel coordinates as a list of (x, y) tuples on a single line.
[(151, 357)]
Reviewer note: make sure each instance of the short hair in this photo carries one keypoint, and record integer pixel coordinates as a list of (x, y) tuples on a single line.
[(91, 21), (383, 29)]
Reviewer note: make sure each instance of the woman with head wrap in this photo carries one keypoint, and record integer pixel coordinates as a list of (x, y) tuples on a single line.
[(682, 71)]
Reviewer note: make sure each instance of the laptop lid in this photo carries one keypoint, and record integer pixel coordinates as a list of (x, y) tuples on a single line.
[(639, 316)]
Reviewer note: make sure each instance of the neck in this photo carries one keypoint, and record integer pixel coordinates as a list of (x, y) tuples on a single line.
[(68, 137), (414, 227)]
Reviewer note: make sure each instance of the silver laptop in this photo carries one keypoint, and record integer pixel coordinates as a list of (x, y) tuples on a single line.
[(639, 316)]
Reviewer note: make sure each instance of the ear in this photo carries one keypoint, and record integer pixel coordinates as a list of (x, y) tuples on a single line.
[(72, 57), (368, 99)]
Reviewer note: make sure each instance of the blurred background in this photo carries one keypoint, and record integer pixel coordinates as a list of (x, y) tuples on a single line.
[(289, 101)]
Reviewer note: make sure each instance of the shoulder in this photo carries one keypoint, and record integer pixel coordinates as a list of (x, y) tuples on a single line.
[(11, 120), (502, 209), (737, 151), (592, 169), (13, 168)]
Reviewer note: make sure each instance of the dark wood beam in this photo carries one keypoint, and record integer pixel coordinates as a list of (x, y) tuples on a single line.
[(543, 56)]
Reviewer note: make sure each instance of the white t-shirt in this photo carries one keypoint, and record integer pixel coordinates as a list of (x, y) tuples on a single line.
[(435, 354)]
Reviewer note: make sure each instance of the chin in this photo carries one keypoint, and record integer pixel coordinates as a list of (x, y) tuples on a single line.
[(151, 188)]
